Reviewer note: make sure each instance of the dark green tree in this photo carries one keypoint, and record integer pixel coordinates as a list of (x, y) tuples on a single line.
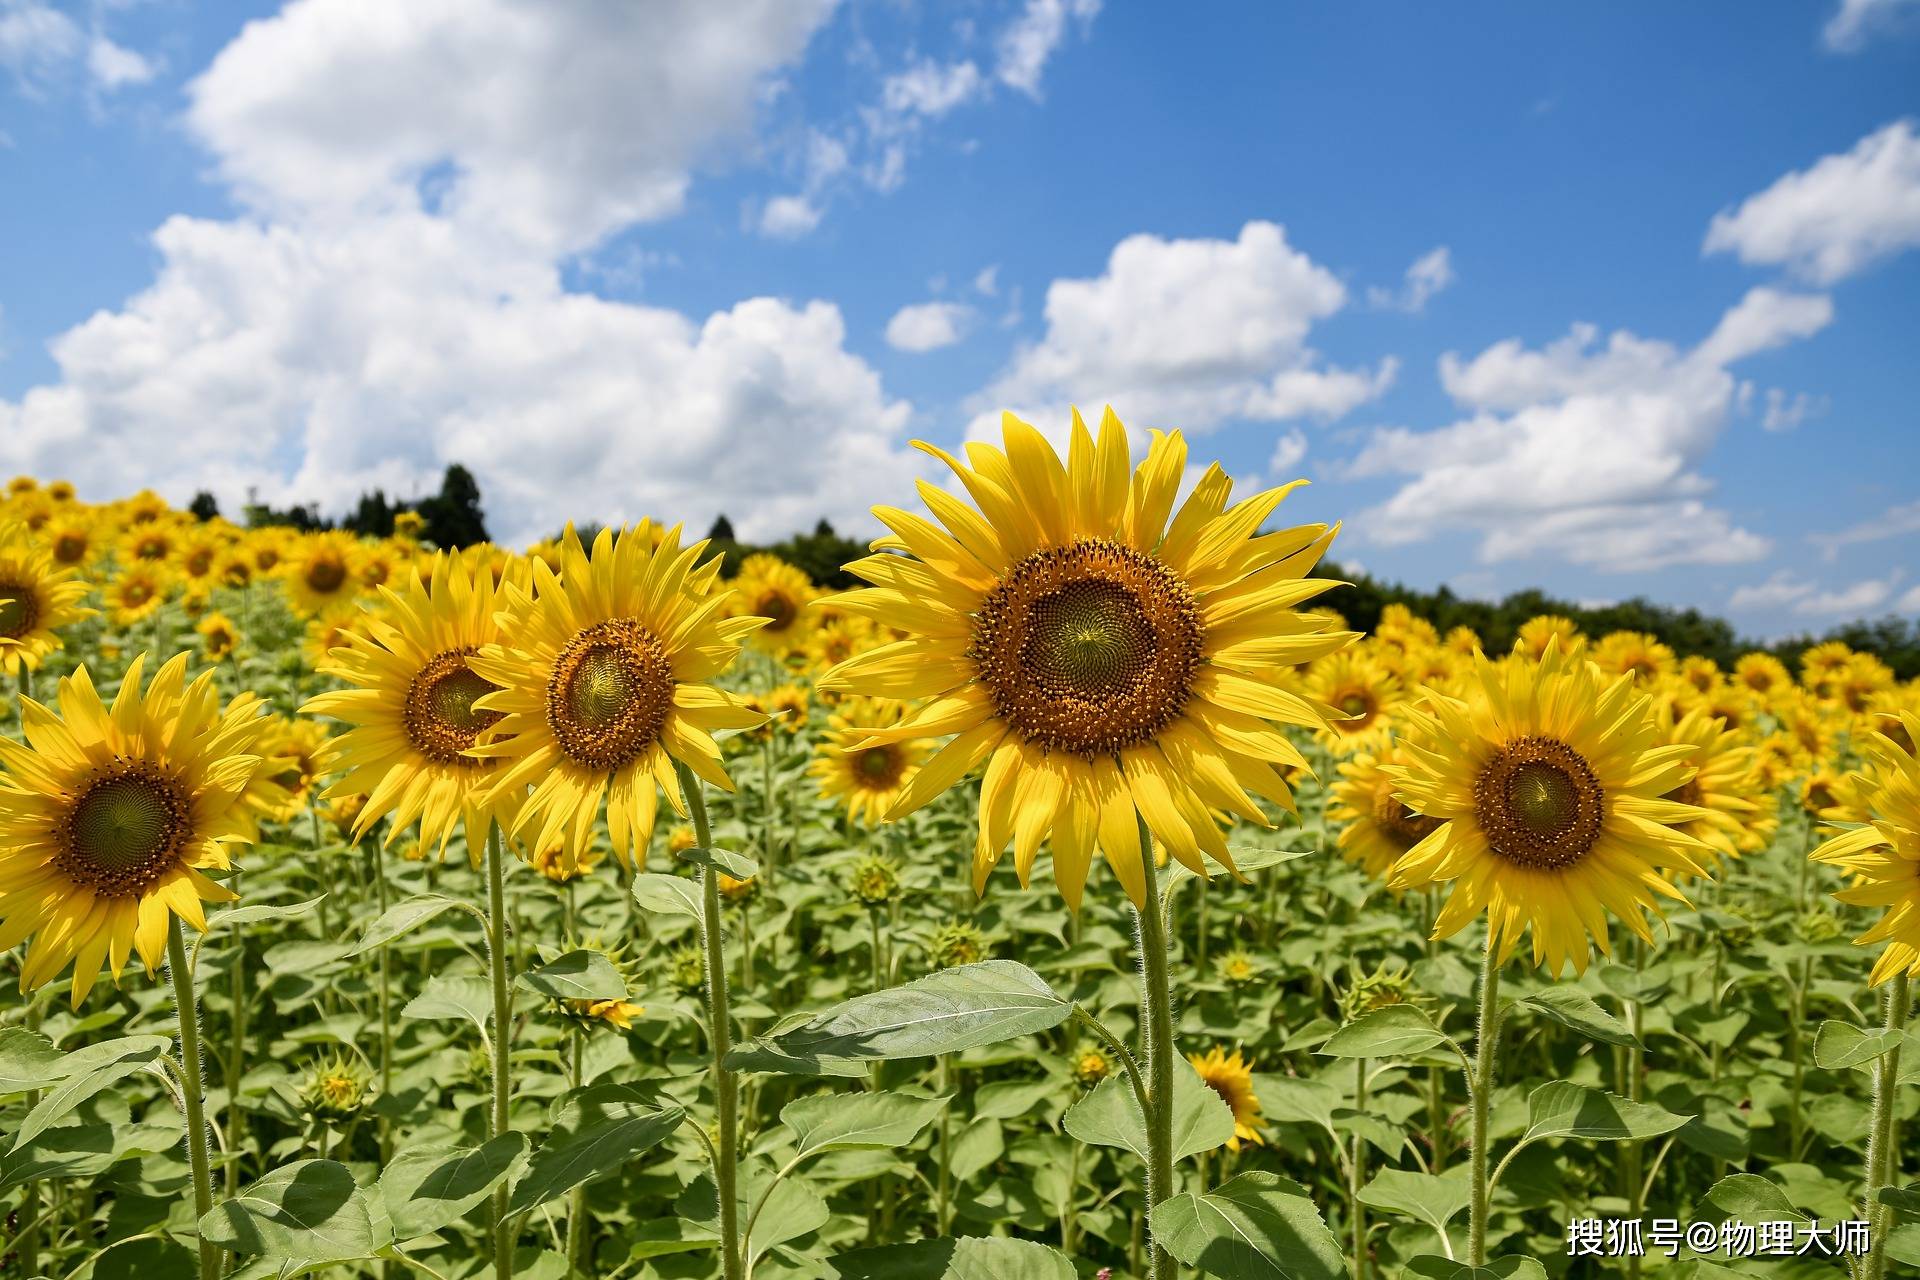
[(453, 516), (204, 507)]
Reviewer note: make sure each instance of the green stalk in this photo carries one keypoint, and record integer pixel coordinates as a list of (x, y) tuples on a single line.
[(577, 1198), (1157, 1024), (1883, 1155), (719, 1036), (943, 1214), (502, 1039), (192, 1089), (28, 1247), (1357, 1174), (1480, 1092), (386, 1004), (237, 1057)]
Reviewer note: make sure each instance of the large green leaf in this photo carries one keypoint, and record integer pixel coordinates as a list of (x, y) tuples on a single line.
[(668, 895), (453, 995), (968, 1258), (1110, 1116), (944, 1012), (403, 917), (1576, 1010), (792, 1207), (86, 1072), (1397, 1031), (1435, 1199), (850, 1121), (1751, 1198), (596, 1130), (425, 1189), (1258, 1226), (737, 865), (300, 1217), (577, 975), (1839, 1045), (260, 913), (1562, 1109), (28, 1061), (1434, 1267)]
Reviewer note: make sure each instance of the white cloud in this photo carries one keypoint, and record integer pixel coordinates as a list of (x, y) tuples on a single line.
[(788, 217), (1288, 450), (987, 283), (1835, 219), (1784, 412), (932, 89), (1910, 602), (40, 45), (1784, 589), (1847, 30), (1894, 522), (928, 326), (1780, 589), (553, 124), (1188, 334), (1583, 452), (1429, 274), (1030, 40), (113, 66)]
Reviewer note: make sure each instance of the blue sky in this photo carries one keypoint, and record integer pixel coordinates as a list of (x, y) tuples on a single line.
[(733, 257)]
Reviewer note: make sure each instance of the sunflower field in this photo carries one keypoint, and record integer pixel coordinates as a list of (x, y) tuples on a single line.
[(378, 909)]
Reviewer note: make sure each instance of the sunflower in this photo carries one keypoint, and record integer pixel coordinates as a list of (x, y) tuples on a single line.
[(1725, 786), (1536, 631), (1549, 789), (1822, 662), (602, 686), (60, 491), (1102, 661), (197, 557), (1401, 628), (1363, 691), (1884, 856), (37, 598), (1859, 684), (768, 587), (381, 563), (144, 507), (618, 1014), (72, 541), (409, 525), (869, 778), (154, 542), (1778, 759), (1463, 640), (1699, 673), (218, 636), (1376, 827), (321, 572), (136, 593), (1231, 1077), (268, 549), (1761, 673), (411, 701), (1634, 653), (554, 863), (112, 816), (290, 753)]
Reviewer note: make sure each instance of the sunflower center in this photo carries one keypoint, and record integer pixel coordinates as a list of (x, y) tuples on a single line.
[(879, 766), (1539, 804), (1393, 816), (69, 548), (609, 694), (19, 610), (125, 831), (327, 574), (778, 607), (1089, 648), (439, 715), (1687, 792)]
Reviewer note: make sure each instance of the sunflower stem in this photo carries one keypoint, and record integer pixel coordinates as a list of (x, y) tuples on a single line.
[(1480, 1094), (1357, 1174), (1157, 1024), (719, 1036), (193, 1090), (1883, 1157), (502, 1038), (28, 1247), (577, 1198)]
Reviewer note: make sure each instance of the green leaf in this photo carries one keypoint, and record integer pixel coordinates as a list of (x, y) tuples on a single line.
[(596, 1130), (850, 1121), (577, 975), (967, 1258), (944, 1012), (764, 1055), (1397, 1031), (1839, 1045), (1258, 1226), (1577, 1011), (457, 995), (662, 1236), (1109, 1116), (1435, 1199), (424, 1190), (1752, 1198), (87, 1071), (1562, 1109), (668, 895), (404, 916), (737, 865), (259, 913), (1434, 1267), (301, 1216), (792, 1209), (28, 1061)]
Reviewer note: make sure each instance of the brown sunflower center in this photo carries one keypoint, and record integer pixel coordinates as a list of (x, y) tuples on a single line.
[(439, 716), (125, 831), (1088, 648), (1539, 804), (778, 607), (70, 548), (19, 609), (1687, 792), (1360, 705), (1392, 815), (609, 694), (879, 766), (329, 573), (199, 562)]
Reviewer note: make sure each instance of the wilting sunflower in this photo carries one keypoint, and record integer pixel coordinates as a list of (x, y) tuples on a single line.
[(1884, 856), (1360, 689), (1376, 827), (110, 817), (1100, 659), (602, 678), (768, 587), (1231, 1077), (869, 778), (1548, 787), (37, 598), (1724, 787), (321, 572), (411, 702)]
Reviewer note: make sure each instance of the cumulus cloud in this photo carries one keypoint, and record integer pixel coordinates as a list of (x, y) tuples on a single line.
[(930, 88), (1429, 274), (1583, 451), (1894, 522), (788, 217), (1784, 589), (1288, 450), (928, 326), (1847, 30), (1030, 40), (1189, 334), (1835, 219), (41, 45)]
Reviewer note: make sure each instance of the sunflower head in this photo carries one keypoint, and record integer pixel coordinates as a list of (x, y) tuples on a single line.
[(1883, 856), (1231, 1076), (768, 587), (868, 776), (687, 968), (1091, 1065), (1238, 968), (337, 1089), (874, 881), (956, 943), (1536, 632), (38, 600), (321, 572), (218, 636)]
